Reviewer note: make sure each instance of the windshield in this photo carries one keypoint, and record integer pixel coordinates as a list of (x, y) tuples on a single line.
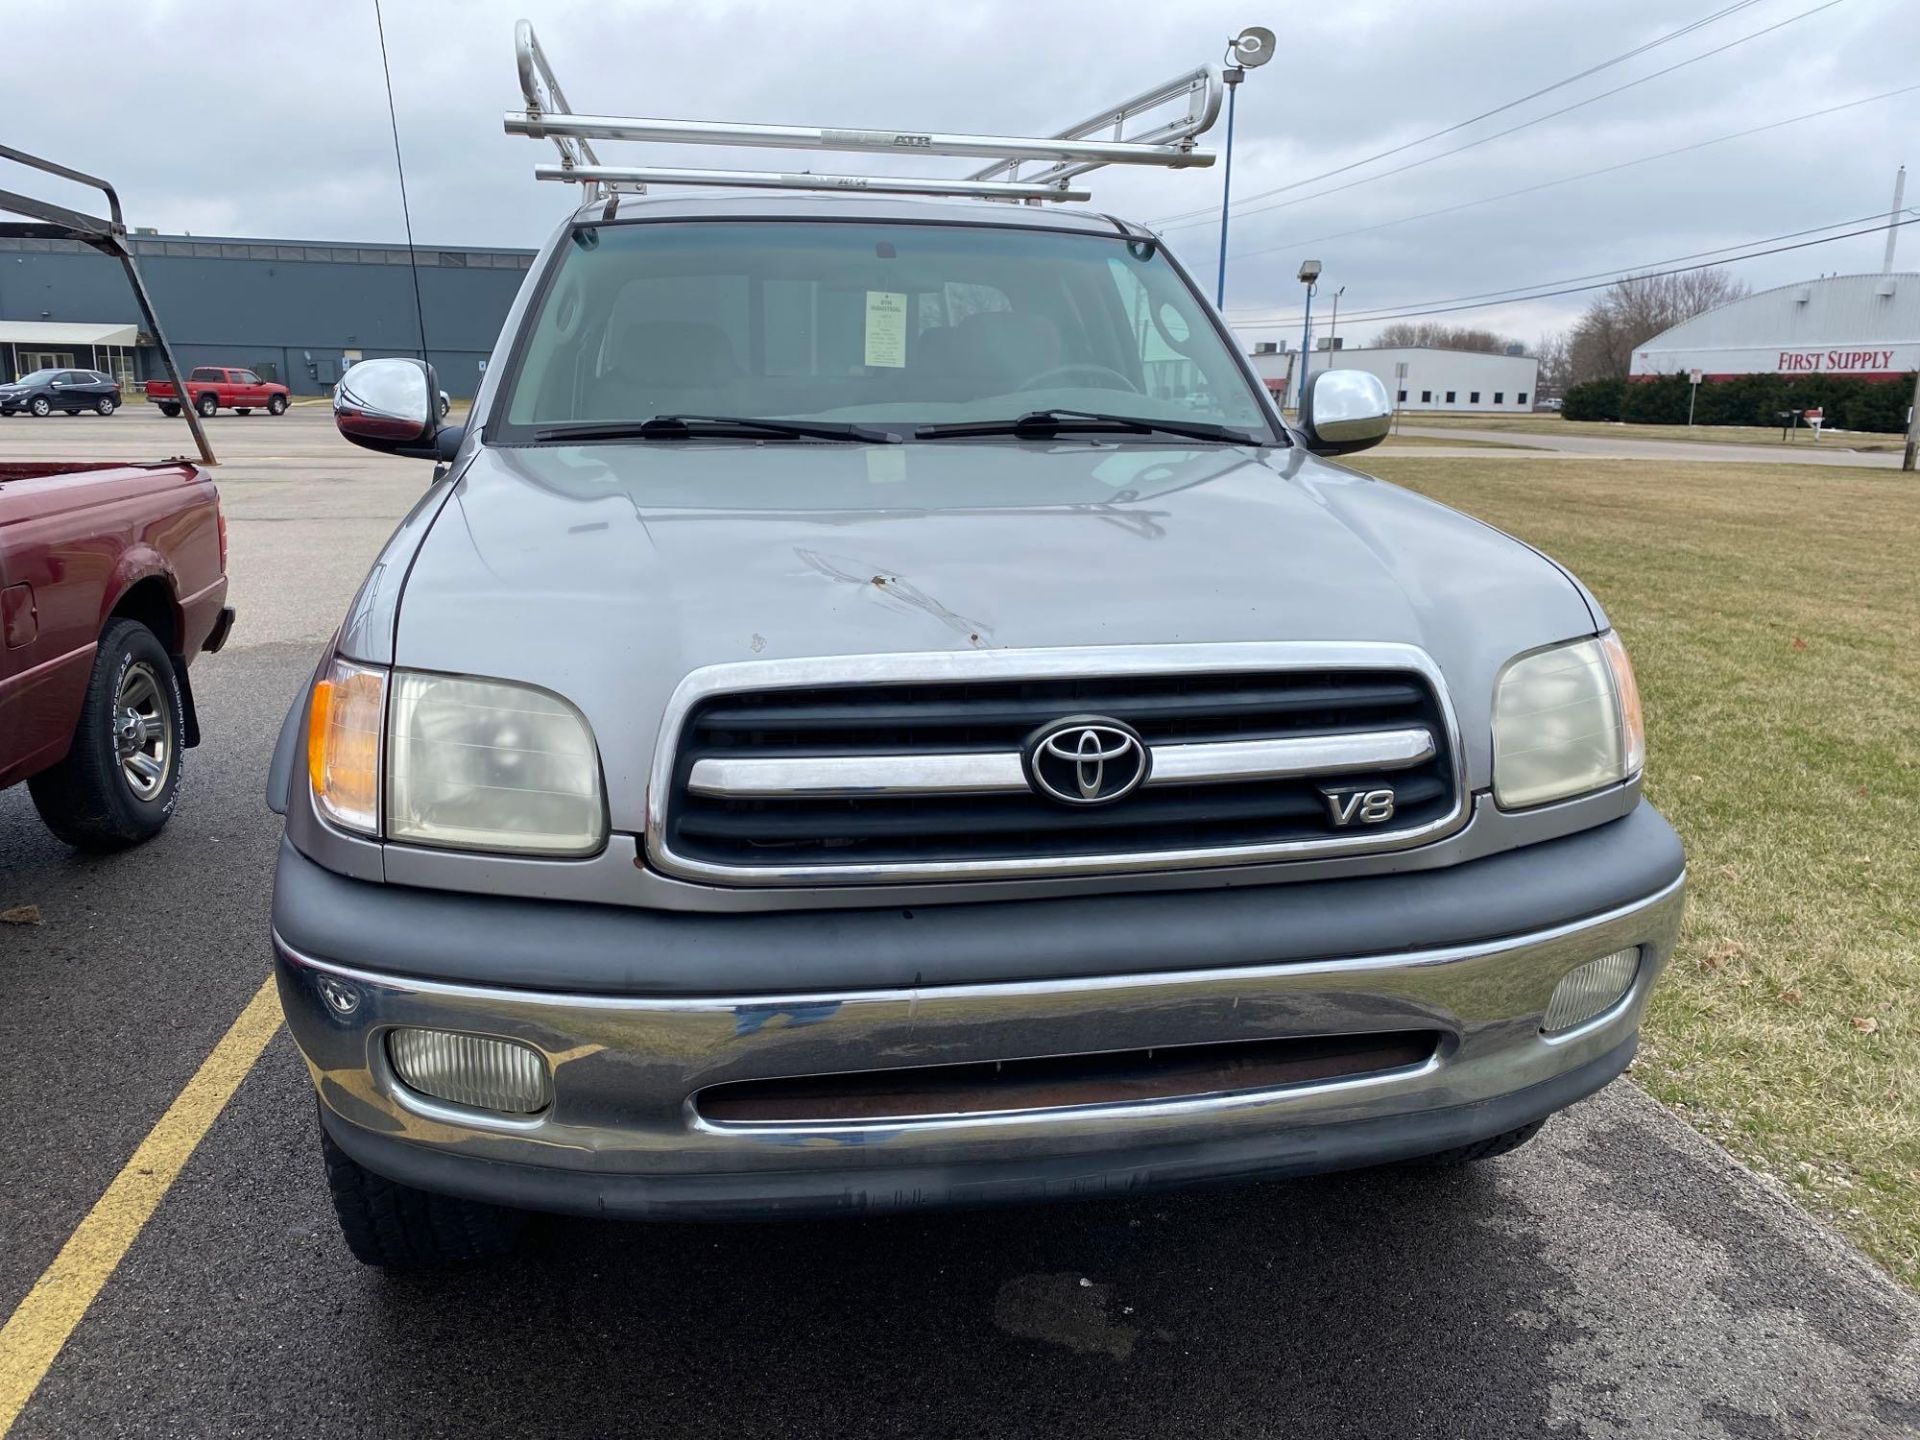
[(896, 325), (36, 377)]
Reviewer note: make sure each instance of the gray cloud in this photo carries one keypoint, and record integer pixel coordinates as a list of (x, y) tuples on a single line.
[(227, 118)]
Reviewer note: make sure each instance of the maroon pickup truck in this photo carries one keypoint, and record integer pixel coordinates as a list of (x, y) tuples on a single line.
[(112, 576), (216, 387)]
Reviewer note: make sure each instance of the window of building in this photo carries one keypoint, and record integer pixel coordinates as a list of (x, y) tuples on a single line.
[(1521, 398), (1426, 397), (1449, 397), (1473, 397), (1499, 397), (1403, 397)]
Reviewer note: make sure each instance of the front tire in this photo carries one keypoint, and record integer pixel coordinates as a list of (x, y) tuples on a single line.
[(40, 406), (117, 785), (396, 1227), (277, 405), (207, 404)]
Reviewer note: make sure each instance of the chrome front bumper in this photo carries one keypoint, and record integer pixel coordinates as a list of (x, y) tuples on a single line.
[(623, 1134)]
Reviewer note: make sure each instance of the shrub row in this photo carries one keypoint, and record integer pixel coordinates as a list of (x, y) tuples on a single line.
[(1849, 404)]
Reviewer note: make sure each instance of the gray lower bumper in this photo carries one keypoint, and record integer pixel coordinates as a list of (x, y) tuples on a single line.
[(626, 1133), (762, 1195)]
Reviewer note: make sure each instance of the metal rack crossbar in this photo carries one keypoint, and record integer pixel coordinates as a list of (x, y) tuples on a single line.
[(1067, 156)]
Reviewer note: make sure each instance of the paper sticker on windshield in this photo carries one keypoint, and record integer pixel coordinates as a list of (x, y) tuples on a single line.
[(886, 328)]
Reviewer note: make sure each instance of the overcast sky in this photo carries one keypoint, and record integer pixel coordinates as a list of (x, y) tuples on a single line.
[(271, 120)]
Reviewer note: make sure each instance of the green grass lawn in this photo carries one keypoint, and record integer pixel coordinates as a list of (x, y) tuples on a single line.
[(1550, 424), (1773, 615)]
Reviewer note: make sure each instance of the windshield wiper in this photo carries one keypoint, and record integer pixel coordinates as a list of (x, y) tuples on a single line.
[(688, 427), (1042, 423)]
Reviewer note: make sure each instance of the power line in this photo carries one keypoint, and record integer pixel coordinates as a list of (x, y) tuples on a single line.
[(1583, 175), (1612, 271), (1511, 129), (1497, 110), (1604, 284)]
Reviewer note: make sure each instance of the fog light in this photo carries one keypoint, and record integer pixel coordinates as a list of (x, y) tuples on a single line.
[(475, 1070), (1594, 987)]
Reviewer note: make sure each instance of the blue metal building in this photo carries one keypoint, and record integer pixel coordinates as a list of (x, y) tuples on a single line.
[(294, 310)]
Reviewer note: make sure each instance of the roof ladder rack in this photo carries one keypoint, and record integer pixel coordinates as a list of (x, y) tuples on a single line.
[(106, 234), (1066, 156)]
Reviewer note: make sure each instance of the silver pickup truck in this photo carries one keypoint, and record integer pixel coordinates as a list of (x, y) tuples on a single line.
[(880, 710)]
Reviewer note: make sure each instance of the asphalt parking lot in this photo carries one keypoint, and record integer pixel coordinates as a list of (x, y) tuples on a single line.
[(1619, 1277)]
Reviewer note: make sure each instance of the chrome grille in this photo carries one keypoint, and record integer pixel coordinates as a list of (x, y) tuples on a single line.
[(844, 772)]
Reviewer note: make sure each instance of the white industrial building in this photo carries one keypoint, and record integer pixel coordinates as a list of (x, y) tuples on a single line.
[(1416, 377), (1866, 327)]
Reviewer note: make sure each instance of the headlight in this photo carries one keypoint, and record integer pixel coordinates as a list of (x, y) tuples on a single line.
[(485, 765), (1566, 721), (468, 764)]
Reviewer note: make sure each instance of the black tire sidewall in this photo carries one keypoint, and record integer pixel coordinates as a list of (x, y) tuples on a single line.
[(139, 643), (85, 799)]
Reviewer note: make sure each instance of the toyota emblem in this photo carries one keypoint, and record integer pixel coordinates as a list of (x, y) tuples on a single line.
[(1086, 760)]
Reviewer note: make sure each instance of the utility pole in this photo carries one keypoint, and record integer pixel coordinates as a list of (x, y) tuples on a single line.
[(1893, 219), (1913, 426)]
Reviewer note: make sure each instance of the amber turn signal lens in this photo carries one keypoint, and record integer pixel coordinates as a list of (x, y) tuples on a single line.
[(1633, 725), (344, 721)]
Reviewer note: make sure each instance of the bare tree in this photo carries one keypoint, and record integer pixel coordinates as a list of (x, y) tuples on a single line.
[(1555, 363), (1404, 334), (1632, 311)]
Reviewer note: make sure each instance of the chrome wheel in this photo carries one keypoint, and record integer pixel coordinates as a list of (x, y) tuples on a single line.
[(143, 731)]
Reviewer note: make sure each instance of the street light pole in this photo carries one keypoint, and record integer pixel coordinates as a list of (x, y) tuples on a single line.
[(1249, 50), (1233, 75), (1309, 277)]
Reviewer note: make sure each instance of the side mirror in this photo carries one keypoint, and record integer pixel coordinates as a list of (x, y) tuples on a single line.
[(390, 406), (1345, 411)]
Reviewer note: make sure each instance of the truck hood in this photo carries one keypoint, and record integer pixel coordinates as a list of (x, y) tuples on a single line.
[(607, 572)]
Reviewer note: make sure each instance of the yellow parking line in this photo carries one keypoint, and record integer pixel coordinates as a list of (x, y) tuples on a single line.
[(32, 1338)]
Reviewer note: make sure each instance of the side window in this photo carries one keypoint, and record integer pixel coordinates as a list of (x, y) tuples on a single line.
[(953, 302), (247, 377), (961, 298), (1473, 397), (207, 372), (1165, 372), (1426, 397), (1499, 397), (1402, 397), (671, 342), (1449, 397), (1521, 398)]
